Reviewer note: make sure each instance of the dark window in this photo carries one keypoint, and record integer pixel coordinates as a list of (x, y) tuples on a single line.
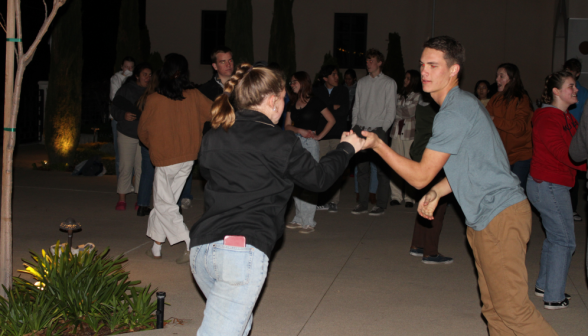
[(350, 40), (212, 34)]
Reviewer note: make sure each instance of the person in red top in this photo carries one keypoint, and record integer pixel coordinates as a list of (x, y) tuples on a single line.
[(551, 177)]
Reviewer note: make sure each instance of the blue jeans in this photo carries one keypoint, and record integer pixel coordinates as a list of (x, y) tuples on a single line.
[(521, 170), (113, 124), (187, 191), (231, 278), (373, 179), (147, 175), (306, 202), (554, 204)]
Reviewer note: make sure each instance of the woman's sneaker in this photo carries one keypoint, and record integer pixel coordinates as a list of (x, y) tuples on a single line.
[(556, 305), (293, 225), (541, 293), (306, 229)]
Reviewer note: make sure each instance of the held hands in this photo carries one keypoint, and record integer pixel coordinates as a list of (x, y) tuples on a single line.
[(427, 204), (353, 139), (371, 140), (130, 116)]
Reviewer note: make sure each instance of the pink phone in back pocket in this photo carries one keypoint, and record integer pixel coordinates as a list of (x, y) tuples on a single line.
[(237, 241)]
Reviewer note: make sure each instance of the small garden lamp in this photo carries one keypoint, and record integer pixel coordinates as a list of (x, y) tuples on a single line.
[(70, 226)]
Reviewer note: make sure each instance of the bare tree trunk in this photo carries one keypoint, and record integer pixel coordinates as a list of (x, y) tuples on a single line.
[(6, 214), (11, 103)]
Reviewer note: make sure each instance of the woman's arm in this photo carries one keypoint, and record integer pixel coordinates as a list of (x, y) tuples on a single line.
[(289, 127), (550, 134), (330, 123)]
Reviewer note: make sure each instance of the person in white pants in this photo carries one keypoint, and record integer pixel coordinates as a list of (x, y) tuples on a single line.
[(171, 127), (165, 219)]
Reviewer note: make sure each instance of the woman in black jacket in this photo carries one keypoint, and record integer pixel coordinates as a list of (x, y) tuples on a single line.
[(125, 111), (251, 166)]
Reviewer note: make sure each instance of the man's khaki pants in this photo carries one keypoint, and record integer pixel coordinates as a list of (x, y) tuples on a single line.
[(499, 250)]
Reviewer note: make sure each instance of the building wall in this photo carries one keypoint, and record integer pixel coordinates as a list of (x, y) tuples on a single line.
[(492, 32)]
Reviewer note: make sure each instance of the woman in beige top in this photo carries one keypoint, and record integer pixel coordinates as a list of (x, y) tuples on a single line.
[(402, 134)]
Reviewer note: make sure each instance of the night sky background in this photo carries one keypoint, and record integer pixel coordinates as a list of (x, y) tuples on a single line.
[(100, 28)]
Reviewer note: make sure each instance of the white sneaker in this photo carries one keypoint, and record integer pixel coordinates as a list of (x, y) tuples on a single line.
[(322, 207), (186, 203)]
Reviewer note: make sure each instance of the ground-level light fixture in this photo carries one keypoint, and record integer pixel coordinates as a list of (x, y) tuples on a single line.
[(70, 226)]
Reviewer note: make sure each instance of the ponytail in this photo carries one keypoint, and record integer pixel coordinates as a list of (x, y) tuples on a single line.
[(247, 88), (555, 80), (223, 113)]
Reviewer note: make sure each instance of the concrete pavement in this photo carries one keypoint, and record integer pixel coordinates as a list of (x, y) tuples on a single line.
[(352, 276)]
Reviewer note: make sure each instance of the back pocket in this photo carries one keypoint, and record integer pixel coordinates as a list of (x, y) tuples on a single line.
[(232, 265)]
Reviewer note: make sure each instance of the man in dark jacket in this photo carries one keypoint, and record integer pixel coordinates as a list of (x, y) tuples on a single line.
[(222, 63), (337, 100)]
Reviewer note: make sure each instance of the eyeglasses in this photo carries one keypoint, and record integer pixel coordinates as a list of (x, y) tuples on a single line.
[(292, 82)]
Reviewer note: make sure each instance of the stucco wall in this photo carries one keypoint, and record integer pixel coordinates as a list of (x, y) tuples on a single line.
[(492, 32)]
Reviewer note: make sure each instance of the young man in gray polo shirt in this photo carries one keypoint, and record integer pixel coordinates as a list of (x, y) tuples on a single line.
[(467, 146), (374, 111)]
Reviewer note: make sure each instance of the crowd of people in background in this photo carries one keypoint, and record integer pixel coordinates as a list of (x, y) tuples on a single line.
[(424, 139)]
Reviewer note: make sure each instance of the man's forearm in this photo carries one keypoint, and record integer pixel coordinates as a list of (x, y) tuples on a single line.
[(412, 172)]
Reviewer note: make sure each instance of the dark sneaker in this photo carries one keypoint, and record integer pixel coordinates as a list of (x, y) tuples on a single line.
[(358, 210), (541, 293), (332, 207), (556, 305), (322, 207), (438, 259), (394, 202), (143, 211), (577, 217), (408, 204), (416, 252), (377, 211)]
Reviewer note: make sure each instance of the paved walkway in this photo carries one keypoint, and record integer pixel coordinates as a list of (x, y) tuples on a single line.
[(353, 276)]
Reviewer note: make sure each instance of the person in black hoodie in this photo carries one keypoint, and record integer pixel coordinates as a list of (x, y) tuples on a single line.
[(337, 100), (251, 166), (125, 111), (222, 63)]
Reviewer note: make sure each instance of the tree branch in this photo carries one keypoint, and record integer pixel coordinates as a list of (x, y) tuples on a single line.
[(45, 4), (31, 51), (18, 29), (3, 22)]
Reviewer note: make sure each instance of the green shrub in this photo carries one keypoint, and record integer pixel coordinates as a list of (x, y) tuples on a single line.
[(88, 290), (141, 307), (27, 310), (80, 283)]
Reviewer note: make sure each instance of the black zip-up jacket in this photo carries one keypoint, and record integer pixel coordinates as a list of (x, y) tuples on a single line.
[(125, 101), (211, 89), (339, 96), (251, 170)]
